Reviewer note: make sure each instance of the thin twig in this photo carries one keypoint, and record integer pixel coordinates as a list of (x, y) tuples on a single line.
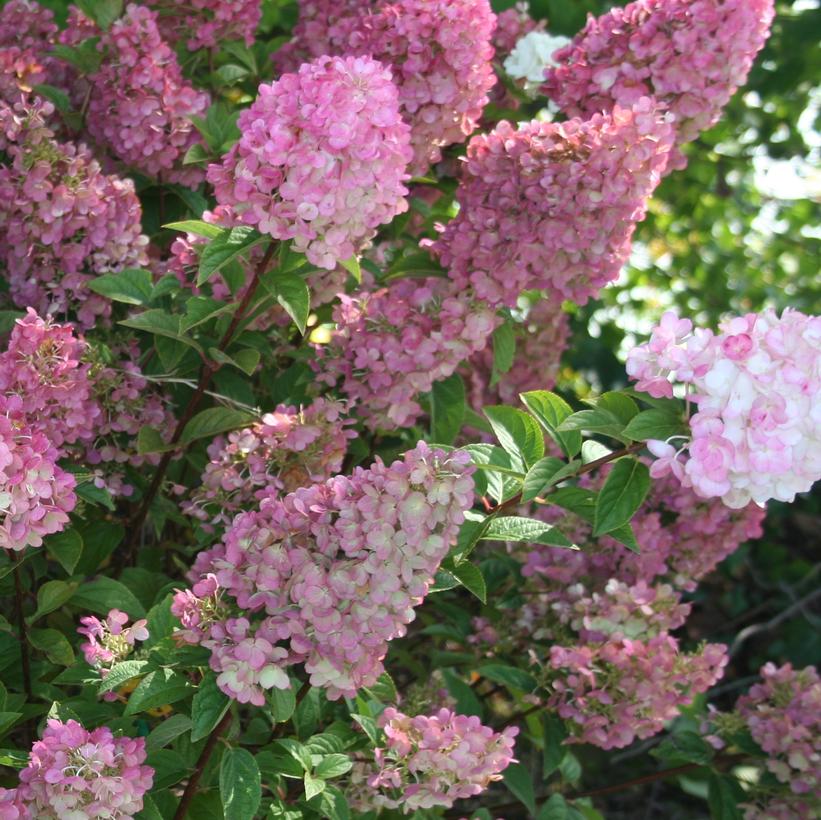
[(207, 373), (756, 629), (25, 663), (202, 762)]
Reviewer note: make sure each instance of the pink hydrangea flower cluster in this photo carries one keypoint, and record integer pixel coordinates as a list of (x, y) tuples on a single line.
[(690, 55), (76, 394), (287, 449), (43, 368), (110, 640), (27, 31), (127, 401), (511, 25), (391, 344), (62, 221), (439, 53), (74, 773), (140, 106), (207, 23), (36, 495), (541, 339), (757, 386), (553, 206), (681, 538), (332, 573), (321, 160), (783, 714), (624, 688), (12, 806), (434, 760)]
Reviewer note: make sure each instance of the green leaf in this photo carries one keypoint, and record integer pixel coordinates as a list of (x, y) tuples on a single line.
[(504, 350), (503, 481), (467, 703), (196, 227), (617, 404), (120, 674), (132, 286), (247, 360), (292, 293), (230, 245), (160, 323), (65, 547), (195, 155), (545, 473), (508, 675), (104, 594), (594, 421), (240, 784), (54, 644), (201, 309), (470, 533), (167, 731), (59, 98), (519, 782), (723, 798), (50, 596), (209, 423), (333, 765), (654, 424), (517, 528), (471, 578), (447, 409), (368, 727), (555, 808), (333, 804), (686, 746), (85, 56), (352, 266), (7, 720), (550, 411), (283, 703), (157, 688), (149, 440), (102, 12), (313, 785), (208, 707), (518, 434), (623, 492), (554, 735), (418, 265)]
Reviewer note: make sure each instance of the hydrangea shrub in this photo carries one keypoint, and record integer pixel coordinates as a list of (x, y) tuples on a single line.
[(302, 514)]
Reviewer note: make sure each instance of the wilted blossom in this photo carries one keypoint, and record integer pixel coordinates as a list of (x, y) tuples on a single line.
[(62, 221), (321, 159), (140, 105), (207, 23), (74, 774), (434, 760), (438, 51), (287, 449), (36, 495), (110, 640), (690, 55), (393, 343), (756, 384), (553, 206), (326, 576)]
